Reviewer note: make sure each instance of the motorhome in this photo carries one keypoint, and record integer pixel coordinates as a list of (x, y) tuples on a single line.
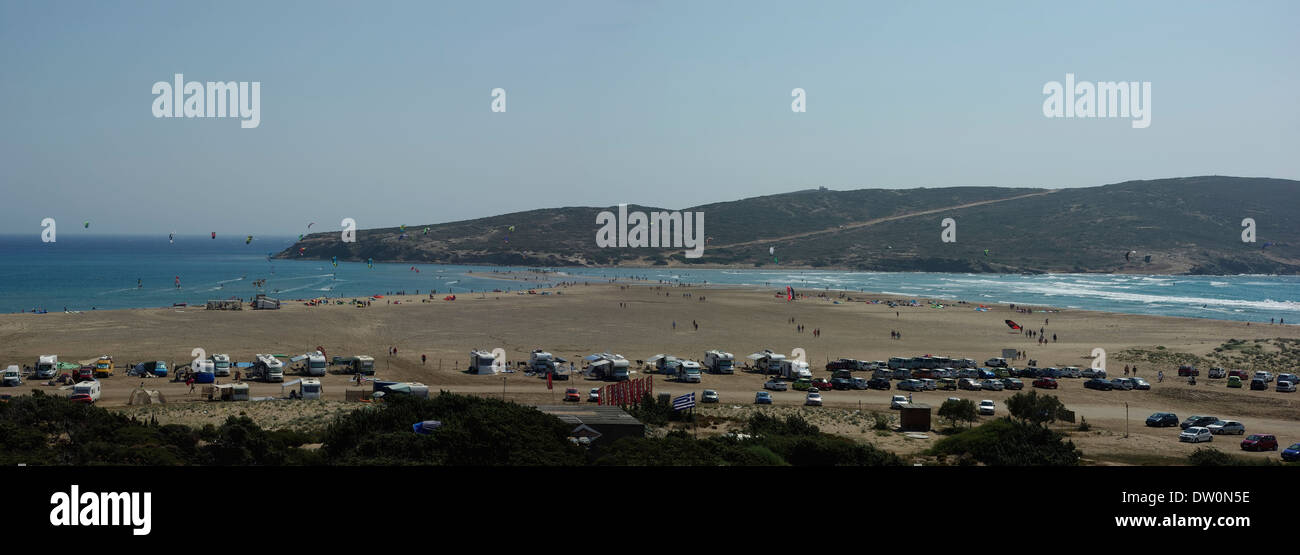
[(482, 362), (794, 369), (605, 366), (316, 364), (13, 376), (221, 365), (541, 361), (689, 371), (86, 392), (269, 368), (360, 364), (664, 364), (307, 388), (767, 361), (47, 366), (719, 362)]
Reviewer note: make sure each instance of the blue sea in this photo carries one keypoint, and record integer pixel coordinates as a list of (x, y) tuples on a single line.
[(83, 272)]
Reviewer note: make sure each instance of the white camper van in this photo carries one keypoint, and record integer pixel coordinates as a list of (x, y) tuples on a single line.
[(719, 362), (221, 365), (271, 369), (13, 376), (689, 371), (316, 364), (480, 362), (86, 392), (47, 367), (308, 388)]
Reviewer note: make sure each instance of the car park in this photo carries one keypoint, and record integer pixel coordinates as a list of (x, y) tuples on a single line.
[(709, 396), (987, 374), (1162, 420), (1196, 434), (1234, 381), (878, 383), (901, 374), (1259, 442), (775, 385), (1227, 427), (1292, 453), (929, 384), (1258, 385), (1139, 383), (762, 398), (1285, 386), (882, 373), (968, 384), (1030, 372), (1099, 384), (986, 407), (1071, 372), (1012, 384), (898, 402), (1091, 372), (1238, 373), (1288, 378), (1045, 383), (813, 399), (996, 361), (1198, 421), (992, 385)]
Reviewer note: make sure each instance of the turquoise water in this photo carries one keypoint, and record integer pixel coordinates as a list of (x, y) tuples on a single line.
[(82, 271)]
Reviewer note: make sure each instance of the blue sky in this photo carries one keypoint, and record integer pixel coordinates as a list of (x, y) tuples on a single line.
[(381, 111)]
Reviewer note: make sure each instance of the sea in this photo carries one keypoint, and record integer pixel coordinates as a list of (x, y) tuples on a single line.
[(81, 272)]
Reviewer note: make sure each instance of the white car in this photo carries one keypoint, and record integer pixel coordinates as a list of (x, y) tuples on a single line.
[(1223, 427), (992, 385), (1071, 372), (987, 407), (929, 384), (1262, 375), (1285, 386), (813, 399), (593, 395), (1196, 434), (898, 402), (776, 385)]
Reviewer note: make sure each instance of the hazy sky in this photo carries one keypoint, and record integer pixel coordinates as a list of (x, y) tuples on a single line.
[(381, 111)]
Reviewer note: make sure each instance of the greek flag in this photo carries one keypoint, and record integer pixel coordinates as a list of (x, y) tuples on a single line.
[(684, 402)]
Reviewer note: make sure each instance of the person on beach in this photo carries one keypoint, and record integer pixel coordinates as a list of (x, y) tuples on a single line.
[(423, 359), (190, 382)]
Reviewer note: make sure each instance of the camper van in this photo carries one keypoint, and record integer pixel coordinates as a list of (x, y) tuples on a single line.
[(361, 364), (47, 366), (308, 388), (719, 362), (86, 392), (270, 368), (664, 364), (688, 371), (541, 361), (316, 364), (794, 369), (767, 361), (104, 367), (481, 362), (13, 376), (221, 365), (605, 366)]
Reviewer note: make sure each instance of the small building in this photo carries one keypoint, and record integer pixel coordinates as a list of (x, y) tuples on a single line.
[(915, 418), (602, 425)]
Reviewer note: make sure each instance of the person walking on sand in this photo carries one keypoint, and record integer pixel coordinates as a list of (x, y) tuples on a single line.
[(423, 359), (674, 325), (190, 382)]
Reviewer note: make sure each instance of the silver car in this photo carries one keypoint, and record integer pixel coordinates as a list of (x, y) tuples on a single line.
[(1225, 427), (992, 385)]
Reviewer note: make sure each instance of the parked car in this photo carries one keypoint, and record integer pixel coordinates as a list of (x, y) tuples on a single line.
[(911, 385), (762, 398), (1031, 372), (1071, 372), (594, 395), (1292, 453), (1285, 386), (813, 399), (968, 384), (1122, 384), (841, 384), (1162, 420), (1196, 434), (1259, 442), (1258, 385), (878, 383), (801, 384), (1227, 427), (1234, 381), (861, 383), (1238, 373), (996, 362), (992, 385), (1099, 384), (1091, 372), (1045, 383), (709, 396), (775, 385), (1195, 421), (1288, 378), (571, 394), (1013, 383), (898, 402), (987, 407), (928, 384), (1262, 375), (1218, 373), (1139, 383), (948, 384), (1188, 370)]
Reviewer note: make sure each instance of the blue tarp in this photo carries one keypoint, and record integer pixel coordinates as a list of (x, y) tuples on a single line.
[(427, 427)]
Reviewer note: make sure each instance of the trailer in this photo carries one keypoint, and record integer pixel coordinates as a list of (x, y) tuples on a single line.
[(387, 389), (664, 364), (482, 362), (307, 388), (316, 364), (719, 362), (794, 369), (360, 364)]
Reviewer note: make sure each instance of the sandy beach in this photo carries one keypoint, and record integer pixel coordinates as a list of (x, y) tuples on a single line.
[(636, 320)]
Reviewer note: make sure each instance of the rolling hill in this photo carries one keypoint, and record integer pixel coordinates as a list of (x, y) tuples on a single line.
[(1185, 225)]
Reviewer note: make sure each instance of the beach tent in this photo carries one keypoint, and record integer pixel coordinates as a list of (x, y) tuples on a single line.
[(146, 397)]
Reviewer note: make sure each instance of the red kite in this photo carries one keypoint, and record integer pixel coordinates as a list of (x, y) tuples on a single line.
[(1013, 325)]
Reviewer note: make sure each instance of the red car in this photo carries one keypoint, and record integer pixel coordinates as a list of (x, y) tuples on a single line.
[(82, 398), (571, 394), (1259, 442), (822, 384), (85, 373), (1188, 370), (1238, 373), (1045, 383)]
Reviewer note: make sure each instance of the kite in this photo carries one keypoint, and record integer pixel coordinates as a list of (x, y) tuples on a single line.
[(310, 224), (335, 261), (371, 263), (403, 228), (789, 293), (301, 250), (414, 269), (248, 240), (299, 236), (1129, 254), (86, 224), (171, 237), (1013, 325), (986, 252), (214, 235), (426, 231)]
